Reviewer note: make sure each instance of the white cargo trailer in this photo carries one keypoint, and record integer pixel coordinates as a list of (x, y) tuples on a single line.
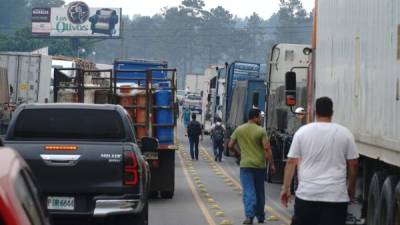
[(356, 61), (28, 76)]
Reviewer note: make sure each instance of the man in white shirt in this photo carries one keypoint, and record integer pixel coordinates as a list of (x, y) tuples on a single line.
[(327, 162)]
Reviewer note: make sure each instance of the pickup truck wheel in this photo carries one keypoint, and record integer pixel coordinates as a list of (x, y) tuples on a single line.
[(140, 219), (387, 201), (167, 194), (374, 195)]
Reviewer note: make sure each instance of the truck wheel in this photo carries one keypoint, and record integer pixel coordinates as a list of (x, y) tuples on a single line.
[(397, 206), (374, 194), (167, 194), (387, 201), (139, 219)]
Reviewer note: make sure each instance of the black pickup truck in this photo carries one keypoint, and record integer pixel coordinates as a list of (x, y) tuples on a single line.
[(86, 160)]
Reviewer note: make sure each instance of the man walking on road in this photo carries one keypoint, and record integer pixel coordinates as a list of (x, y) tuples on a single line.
[(254, 150), (325, 155), (185, 116), (218, 137), (194, 131)]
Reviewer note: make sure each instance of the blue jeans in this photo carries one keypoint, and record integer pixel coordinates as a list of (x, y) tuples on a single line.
[(218, 148), (252, 181), (194, 147)]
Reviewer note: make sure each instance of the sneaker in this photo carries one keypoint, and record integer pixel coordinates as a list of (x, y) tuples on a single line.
[(248, 221), (261, 221)]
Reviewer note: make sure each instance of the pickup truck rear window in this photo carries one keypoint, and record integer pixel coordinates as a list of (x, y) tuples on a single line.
[(69, 124)]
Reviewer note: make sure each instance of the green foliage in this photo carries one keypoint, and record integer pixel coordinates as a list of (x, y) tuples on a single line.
[(189, 37), (13, 15), (22, 41)]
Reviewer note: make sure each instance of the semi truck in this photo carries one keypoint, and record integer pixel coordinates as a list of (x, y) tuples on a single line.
[(147, 90), (281, 124), (26, 76), (356, 64), (245, 88)]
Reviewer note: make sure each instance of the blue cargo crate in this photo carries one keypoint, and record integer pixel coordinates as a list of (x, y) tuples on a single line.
[(139, 65), (165, 135)]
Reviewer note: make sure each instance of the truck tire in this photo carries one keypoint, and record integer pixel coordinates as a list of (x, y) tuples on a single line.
[(139, 219), (167, 194), (397, 205), (387, 201), (374, 195)]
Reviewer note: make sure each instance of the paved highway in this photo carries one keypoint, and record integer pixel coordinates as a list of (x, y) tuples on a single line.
[(209, 193)]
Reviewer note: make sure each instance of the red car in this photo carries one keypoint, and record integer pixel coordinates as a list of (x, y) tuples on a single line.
[(19, 196)]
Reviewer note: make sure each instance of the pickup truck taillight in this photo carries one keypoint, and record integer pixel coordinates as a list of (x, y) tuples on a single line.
[(131, 168)]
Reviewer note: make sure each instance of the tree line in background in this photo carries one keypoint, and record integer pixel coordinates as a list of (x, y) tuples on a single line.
[(189, 37)]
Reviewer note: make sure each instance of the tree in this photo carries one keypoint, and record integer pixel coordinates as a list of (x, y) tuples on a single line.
[(257, 37), (22, 41), (13, 15), (294, 21)]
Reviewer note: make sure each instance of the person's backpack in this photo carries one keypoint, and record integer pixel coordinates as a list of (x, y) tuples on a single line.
[(194, 129), (218, 133)]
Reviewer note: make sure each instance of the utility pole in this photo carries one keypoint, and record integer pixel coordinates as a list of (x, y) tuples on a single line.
[(75, 41), (122, 52)]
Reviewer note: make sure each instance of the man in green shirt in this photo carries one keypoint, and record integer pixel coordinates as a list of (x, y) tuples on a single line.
[(254, 150)]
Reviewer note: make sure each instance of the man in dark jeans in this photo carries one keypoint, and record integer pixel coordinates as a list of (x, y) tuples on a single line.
[(218, 137), (326, 158), (194, 131)]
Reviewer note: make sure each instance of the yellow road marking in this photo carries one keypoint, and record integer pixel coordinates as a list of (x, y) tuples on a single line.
[(196, 196), (237, 184)]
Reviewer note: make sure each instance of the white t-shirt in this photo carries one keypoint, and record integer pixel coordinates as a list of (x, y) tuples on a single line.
[(323, 150)]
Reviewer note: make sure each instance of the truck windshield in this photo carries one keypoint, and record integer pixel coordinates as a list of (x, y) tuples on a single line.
[(69, 124), (194, 97)]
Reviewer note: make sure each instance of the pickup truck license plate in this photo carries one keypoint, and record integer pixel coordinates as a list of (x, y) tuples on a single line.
[(60, 203)]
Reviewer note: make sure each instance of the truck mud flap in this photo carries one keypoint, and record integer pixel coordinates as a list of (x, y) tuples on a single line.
[(163, 177)]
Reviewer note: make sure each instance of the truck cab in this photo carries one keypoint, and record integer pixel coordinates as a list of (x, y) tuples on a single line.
[(281, 123)]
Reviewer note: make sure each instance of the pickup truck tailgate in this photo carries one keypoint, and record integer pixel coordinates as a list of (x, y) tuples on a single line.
[(97, 167)]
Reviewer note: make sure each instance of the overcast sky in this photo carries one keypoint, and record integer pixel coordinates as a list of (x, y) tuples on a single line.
[(242, 8)]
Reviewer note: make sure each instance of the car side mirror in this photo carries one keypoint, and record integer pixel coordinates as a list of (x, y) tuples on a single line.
[(149, 144), (290, 88)]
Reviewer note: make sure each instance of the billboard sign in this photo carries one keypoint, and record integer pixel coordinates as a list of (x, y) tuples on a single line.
[(41, 21), (77, 20)]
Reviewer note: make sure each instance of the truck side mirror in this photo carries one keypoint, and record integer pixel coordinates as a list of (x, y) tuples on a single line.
[(149, 144), (290, 88)]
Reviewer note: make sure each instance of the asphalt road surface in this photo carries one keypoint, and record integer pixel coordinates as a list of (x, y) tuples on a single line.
[(208, 192)]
